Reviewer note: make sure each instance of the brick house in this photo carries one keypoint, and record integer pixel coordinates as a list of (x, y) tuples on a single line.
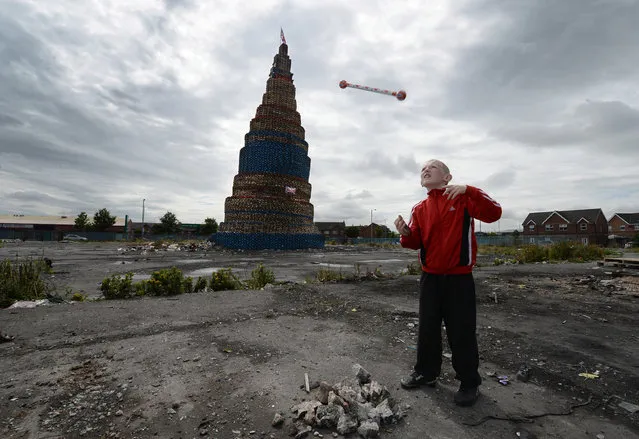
[(588, 226), (333, 231), (623, 226), (379, 231)]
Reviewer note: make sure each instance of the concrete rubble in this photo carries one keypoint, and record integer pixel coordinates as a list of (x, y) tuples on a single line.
[(360, 405)]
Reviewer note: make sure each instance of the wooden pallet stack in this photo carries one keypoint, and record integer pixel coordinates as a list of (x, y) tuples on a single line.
[(270, 205)]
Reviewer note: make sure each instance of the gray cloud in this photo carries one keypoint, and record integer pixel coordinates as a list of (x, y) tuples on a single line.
[(538, 48), (360, 195), (6, 120), (154, 103), (592, 124), (500, 179)]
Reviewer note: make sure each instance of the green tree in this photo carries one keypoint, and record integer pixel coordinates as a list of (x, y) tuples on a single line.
[(102, 220), (82, 221), (209, 227), (352, 231), (169, 223)]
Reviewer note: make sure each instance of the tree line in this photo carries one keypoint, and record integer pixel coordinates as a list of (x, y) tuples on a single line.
[(168, 225)]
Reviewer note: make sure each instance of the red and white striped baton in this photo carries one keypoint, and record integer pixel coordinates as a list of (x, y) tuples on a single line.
[(400, 94)]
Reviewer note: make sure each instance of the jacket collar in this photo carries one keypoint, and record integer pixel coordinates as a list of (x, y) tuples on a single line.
[(436, 192)]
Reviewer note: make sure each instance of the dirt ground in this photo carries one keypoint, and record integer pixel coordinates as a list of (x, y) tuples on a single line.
[(221, 364)]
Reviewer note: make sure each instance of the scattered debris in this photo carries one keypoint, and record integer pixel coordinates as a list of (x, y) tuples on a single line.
[(590, 376), (524, 373), (167, 247), (621, 284), (278, 419), (503, 380), (631, 408), (29, 303), (4, 338), (522, 433)]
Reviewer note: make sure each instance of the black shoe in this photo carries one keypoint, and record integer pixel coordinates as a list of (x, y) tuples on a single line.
[(415, 380), (466, 397)]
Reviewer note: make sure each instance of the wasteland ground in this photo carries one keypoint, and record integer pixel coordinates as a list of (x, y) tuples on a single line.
[(221, 364)]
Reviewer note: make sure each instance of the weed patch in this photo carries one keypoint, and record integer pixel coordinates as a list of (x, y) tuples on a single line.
[(413, 268), (117, 287), (78, 297), (260, 277), (22, 281), (560, 251), (328, 275), (225, 279), (168, 282)]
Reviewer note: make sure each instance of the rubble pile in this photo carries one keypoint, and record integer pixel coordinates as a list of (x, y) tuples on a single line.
[(359, 405)]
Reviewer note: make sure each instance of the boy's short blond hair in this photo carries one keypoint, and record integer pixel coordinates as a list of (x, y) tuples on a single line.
[(441, 165)]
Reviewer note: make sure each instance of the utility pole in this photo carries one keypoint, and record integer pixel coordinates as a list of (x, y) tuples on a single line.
[(143, 200)]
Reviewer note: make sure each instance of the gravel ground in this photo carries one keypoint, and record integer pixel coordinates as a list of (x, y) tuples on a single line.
[(222, 364)]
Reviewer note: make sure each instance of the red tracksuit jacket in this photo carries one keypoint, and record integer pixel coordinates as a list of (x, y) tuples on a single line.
[(444, 231)]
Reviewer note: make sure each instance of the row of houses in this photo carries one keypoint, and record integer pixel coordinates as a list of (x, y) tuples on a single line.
[(588, 226)]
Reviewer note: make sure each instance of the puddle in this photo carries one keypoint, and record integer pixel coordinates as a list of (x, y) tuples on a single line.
[(204, 271), (325, 264), (380, 261), (192, 261)]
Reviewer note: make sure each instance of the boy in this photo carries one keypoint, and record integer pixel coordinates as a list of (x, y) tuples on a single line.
[(441, 227)]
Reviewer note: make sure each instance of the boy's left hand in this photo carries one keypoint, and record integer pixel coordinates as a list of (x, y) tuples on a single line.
[(453, 190)]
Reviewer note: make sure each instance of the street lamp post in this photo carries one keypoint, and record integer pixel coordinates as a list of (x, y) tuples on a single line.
[(143, 200), (372, 224)]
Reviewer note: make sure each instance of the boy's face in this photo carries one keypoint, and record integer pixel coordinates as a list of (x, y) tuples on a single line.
[(435, 174)]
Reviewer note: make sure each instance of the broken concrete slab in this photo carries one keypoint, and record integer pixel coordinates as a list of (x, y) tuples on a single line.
[(362, 375)]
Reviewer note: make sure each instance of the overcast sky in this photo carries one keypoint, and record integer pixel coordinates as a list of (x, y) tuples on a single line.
[(106, 102)]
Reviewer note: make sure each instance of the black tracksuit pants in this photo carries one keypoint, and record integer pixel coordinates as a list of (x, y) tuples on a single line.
[(449, 298)]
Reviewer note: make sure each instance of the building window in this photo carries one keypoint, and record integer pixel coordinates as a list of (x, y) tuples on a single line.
[(583, 227), (563, 227), (622, 227), (549, 227), (531, 227)]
